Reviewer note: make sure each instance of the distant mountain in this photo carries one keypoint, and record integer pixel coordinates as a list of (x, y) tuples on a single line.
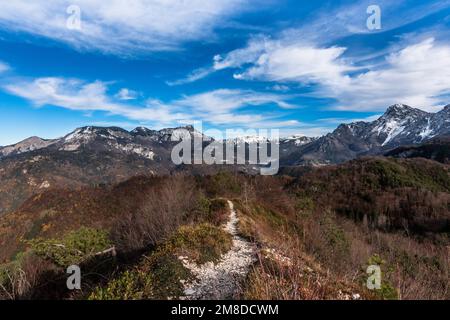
[(86, 156), (141, 141), (400, 125), (30, 144)]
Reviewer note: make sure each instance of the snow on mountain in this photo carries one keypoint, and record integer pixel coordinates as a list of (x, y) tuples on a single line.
[(298, 140), (401, 122), (250, 139), (140, 141), (165, 135), (27, 145), (400, 125)]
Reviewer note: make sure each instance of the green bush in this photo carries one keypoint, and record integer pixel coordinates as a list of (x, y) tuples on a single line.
[(202, 243), (387, 290), (335, 235), (167, 273), (222, 184), (128, 286), (74, 248)]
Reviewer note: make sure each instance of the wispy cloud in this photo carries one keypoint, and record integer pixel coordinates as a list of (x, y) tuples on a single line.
[(225, 100), (319, 31), (415, 74), (127, 94), (336, 121), (121, 27), (413, 70), (75, 94), (192, 77), (3, 67), (220, 107), (351, 19), (225, 107)]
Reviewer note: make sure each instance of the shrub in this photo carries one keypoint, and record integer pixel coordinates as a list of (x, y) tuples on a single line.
[(213, 211), (202, 243), (160, 214), (387, 290), (22, 278), (74, 248), (126, 287), (222, 184), (167, 272)]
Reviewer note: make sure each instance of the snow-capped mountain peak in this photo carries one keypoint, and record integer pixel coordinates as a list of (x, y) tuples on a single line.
[(399, 125), (27, 145), (143, 131), (298, 140), (250, 139), (403, 122), (85, 135)]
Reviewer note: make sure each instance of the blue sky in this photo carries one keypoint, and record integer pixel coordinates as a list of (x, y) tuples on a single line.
[(299, 66)]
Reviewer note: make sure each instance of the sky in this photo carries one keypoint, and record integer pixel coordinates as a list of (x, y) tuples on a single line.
[(299, 66)]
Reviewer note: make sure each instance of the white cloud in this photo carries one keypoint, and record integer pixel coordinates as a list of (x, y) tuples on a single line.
[(297, 62), (224, 106), (337, 121), (75, 94), (126, 94), (233, 59), (318, 30), (121, 27), (307, 131), (3, 67), (416, 74), (279, 87), (192, 77), (279, 60), (236, 58), (221, 107), (226, 100)]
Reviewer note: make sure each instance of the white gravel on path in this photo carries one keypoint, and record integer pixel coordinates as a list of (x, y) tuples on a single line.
[(221, 281)]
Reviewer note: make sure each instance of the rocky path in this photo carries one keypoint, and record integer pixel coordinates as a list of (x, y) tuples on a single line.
[(222, 280)]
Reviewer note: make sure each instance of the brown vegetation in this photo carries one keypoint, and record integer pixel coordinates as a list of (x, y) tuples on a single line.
[(317, 233)]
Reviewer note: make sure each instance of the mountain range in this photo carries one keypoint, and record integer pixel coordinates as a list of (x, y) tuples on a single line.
[(399, 125), (98, 155)]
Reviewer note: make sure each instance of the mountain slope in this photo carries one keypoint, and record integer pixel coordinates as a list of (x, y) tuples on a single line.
[(27, 145), (437, 149), (400, 125), (87, 156), (314, 236)]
